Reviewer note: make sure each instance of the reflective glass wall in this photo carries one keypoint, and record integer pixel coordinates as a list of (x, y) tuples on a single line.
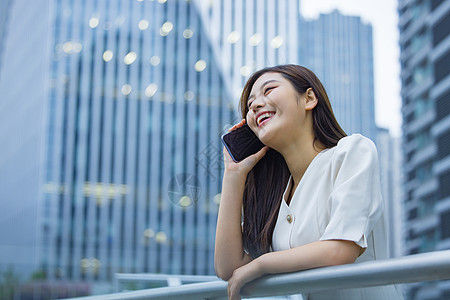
[(133, 153)]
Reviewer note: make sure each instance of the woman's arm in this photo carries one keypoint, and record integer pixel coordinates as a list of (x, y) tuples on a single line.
[(313, 255), (229, 252)]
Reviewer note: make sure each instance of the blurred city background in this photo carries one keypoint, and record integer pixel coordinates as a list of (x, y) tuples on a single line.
[(111, 113)]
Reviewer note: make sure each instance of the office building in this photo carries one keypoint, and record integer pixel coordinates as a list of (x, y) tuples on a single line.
[(390, 159), (24, 65), (251, 35), (4, 10), (339, 49), (425, 61), (133, 154), (133, 101)]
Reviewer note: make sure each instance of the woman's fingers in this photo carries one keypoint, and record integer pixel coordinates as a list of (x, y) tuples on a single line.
[(233, 291), (226, 154), (236, 126), (255, 158), (245, 165)]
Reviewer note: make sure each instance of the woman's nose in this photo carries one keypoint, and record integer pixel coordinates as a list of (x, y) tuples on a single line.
[(257, 104)]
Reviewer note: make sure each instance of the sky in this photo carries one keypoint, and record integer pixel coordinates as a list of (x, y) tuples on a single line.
[(382, 15)]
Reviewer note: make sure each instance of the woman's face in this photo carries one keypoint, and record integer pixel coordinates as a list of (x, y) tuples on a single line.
[(277, 112)]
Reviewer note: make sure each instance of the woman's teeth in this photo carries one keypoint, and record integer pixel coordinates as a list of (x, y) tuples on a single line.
[(264, 116)]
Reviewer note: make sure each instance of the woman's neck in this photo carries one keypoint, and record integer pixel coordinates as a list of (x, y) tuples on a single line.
[(299, 154)]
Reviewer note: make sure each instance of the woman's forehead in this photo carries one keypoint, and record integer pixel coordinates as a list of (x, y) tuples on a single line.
[(268, 76), (265, 79)]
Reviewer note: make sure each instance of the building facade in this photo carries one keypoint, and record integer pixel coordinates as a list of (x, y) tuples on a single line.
[(23, 75), (425, 61), (136, 107), (4, 11), (390, 158), (339, 50), (250, 35), (140, 94), (134, 98)]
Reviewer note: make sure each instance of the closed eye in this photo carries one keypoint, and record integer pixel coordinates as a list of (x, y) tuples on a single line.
[(268, 89)]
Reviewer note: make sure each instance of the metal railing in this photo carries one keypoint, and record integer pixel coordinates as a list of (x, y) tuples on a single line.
[(121, 279), (407, 269)]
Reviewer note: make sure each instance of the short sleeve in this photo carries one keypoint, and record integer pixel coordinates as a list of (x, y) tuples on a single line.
[(354, 205)]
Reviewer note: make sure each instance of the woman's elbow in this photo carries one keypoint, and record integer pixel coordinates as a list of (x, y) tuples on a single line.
[(344, 252), (222, 272)]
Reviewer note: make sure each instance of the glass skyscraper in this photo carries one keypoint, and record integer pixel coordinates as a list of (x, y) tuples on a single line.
[(133, 152), (250, 35), (4, 9), (140, 93), (339, 50), (134, 96), (390, 158), (23, 77), (425, 61)]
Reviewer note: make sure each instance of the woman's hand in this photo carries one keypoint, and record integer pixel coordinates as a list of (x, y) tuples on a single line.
[(229, 254), (241, 276), (246, 165)]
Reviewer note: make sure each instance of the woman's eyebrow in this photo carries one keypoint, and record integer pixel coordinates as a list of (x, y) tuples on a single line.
[(262, 87)]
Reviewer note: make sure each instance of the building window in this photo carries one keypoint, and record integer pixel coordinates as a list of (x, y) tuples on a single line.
[(419, 40), (443, 145), (435, 4), (412, 214), (443, 106), (428, 240), (421, 73), (422, 105), (426, 206), (445, 225), (424, 172), (441, 69), (419, 9), (444, 185), (423, 138), (441, 29)]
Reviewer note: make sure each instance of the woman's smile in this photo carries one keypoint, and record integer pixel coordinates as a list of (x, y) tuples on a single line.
[(264, 117)]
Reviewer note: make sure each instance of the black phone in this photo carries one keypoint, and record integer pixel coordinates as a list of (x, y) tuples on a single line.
[(241, 143)]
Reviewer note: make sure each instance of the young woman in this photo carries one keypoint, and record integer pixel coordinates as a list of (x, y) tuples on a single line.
[(310, 198)]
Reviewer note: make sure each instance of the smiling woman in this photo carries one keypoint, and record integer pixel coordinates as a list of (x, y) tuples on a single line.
[(310, 198)]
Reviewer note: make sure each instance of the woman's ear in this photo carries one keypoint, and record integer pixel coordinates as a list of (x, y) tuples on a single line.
[(310, 99)]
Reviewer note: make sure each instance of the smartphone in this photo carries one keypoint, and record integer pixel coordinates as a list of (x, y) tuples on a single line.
[(241, 143)]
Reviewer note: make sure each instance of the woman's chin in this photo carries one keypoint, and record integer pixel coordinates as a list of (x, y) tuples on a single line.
[(265, 138)]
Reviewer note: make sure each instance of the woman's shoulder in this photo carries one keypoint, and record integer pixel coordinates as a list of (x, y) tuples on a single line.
[(355, 140), (355, 145)]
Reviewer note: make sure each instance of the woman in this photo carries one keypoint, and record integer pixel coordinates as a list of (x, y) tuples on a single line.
[(310, 198)]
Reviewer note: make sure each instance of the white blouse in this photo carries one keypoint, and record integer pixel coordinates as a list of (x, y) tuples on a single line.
[(338, 198)]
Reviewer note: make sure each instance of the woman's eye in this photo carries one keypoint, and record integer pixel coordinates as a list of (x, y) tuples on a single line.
[(267, 90)]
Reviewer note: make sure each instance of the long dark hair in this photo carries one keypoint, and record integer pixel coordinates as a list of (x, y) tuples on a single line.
[(267, 181)]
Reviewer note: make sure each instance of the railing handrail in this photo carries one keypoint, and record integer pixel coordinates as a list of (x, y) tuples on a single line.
[(169, 279), (406, 269), (163, 277)]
